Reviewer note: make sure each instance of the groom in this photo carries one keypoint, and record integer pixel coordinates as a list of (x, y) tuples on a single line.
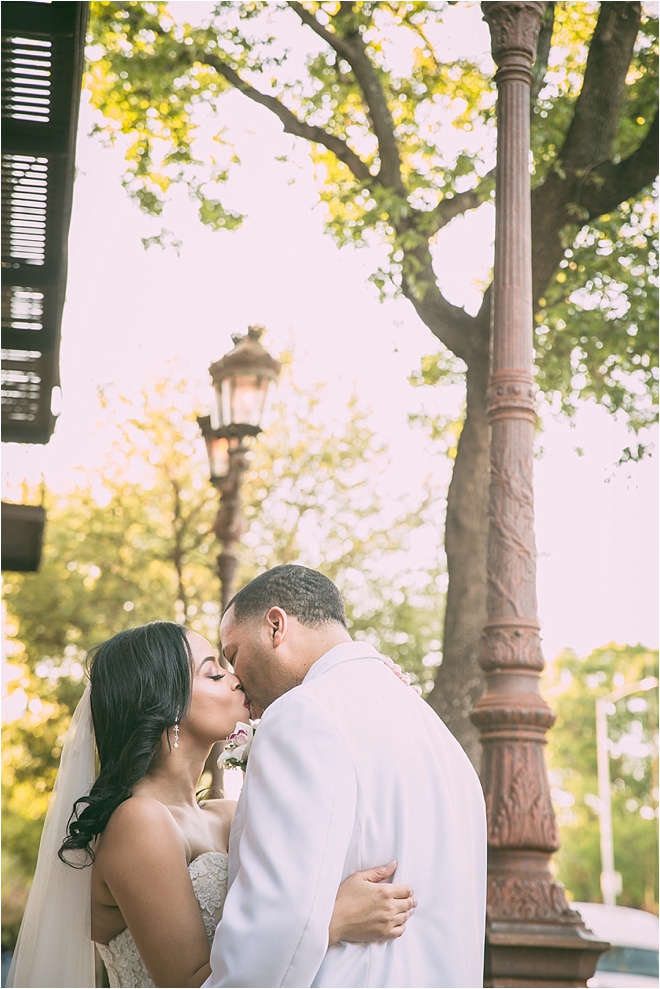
[(349, 768)]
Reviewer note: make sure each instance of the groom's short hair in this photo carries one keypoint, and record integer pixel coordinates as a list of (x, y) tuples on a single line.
[(305, 594)]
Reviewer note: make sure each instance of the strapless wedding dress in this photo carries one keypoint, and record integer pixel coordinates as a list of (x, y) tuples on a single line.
[(208, 874)]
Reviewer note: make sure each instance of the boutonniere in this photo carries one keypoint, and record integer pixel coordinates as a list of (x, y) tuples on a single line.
[(237, 747)]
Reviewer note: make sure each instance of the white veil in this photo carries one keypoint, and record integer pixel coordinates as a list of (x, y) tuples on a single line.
[(54, 947)]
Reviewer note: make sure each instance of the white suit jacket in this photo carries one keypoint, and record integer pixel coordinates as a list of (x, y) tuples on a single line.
[(350, 770)]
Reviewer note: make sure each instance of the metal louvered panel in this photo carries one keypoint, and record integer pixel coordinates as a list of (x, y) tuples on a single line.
[(22, 308), (42, 63), (25, 198), (22, 377), (27, 79)]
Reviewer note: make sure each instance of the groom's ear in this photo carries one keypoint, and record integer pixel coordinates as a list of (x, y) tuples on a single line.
[(277, 622)]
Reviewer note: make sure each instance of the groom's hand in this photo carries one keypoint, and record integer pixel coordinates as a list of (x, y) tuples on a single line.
[(369, 909)]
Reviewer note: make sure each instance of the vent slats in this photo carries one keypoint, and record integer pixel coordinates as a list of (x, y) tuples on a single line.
[(27, 69), (25, 203), (42, 63)]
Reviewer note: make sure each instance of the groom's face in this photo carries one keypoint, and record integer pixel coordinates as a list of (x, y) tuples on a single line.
[(248, 646)]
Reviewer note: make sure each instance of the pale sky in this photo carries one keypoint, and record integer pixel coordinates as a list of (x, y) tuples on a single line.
[(129, 311)]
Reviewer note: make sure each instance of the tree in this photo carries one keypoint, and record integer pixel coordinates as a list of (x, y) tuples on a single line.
[(573, 685), (133, 542), (402, 134)]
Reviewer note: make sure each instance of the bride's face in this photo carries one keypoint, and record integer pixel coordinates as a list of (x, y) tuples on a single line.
[(217, 699)]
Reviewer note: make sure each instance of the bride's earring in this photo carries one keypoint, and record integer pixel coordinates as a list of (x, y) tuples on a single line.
[(176, 734)]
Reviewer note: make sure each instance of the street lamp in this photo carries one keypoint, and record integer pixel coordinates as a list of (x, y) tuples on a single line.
[(610, 879), (242, 381)]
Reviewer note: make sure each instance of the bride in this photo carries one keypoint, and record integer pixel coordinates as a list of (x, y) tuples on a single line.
[(140, 866)]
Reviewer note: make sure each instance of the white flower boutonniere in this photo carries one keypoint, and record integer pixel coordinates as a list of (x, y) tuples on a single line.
[(237, 747)]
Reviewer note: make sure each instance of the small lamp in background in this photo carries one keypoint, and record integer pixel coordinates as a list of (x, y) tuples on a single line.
[(242, 382)]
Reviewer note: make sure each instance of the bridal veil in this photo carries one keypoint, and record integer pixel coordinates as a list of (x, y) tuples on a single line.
[(54, 947)]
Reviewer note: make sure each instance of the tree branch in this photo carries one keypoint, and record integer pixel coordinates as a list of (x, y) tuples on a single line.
[(291, 123), (614, 183), (590, 137), (543, 51), (600, 190), (463, 334), (447, 209), (353, 50), (588, 177), (331, 38)]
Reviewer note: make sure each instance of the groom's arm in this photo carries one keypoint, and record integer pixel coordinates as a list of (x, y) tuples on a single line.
[(300, 813)]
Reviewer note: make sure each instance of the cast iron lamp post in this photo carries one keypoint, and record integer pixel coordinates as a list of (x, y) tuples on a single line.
[(533, 938), (242, 380)]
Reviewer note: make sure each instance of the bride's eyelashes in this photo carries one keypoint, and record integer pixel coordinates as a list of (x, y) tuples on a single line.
[(218, 676)]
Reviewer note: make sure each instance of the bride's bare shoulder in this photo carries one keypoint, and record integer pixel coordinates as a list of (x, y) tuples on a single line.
[(142, 818)]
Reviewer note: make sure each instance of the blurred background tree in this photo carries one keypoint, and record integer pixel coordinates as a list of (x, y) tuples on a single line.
[(572, 685)]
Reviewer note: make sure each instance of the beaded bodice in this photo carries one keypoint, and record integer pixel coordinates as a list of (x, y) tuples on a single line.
[(208, 874)]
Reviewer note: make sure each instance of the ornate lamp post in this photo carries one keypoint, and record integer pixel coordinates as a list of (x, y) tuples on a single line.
[(532, 936), (242, 381)]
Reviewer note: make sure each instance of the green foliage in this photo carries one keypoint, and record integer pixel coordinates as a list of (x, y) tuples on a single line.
[(593, 334), (147, 76), (416, 117), (572, 686)]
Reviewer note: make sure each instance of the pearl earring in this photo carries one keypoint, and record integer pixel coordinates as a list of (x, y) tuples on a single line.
[(176, 734)]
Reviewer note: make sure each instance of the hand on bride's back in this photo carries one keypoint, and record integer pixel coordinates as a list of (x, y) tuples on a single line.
[(370, 909)]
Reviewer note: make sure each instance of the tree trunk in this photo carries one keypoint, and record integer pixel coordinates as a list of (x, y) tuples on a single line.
[(459, 681)]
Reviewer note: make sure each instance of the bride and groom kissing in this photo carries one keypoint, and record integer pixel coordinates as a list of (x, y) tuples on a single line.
[(349, 769)]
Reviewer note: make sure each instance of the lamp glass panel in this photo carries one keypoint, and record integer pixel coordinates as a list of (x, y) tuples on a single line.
[(223, 396), (218, 451), (247, 398), (214, 419), (267, 401)]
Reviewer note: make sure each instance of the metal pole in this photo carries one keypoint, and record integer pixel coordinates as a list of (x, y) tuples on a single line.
[(229, 523), (609, 878), (607, 875), (229, 527), (533, 937)]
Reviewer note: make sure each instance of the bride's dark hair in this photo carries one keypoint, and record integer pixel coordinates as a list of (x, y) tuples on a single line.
[(140, 687)]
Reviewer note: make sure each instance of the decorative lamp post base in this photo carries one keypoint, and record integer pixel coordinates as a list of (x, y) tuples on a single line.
[(546, 945), (529, 954)]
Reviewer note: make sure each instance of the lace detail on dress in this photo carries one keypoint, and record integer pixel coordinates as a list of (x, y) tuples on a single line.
[(208, 874)]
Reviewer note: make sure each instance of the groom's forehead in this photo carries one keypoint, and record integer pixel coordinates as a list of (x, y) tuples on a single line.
[(233, 630)]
